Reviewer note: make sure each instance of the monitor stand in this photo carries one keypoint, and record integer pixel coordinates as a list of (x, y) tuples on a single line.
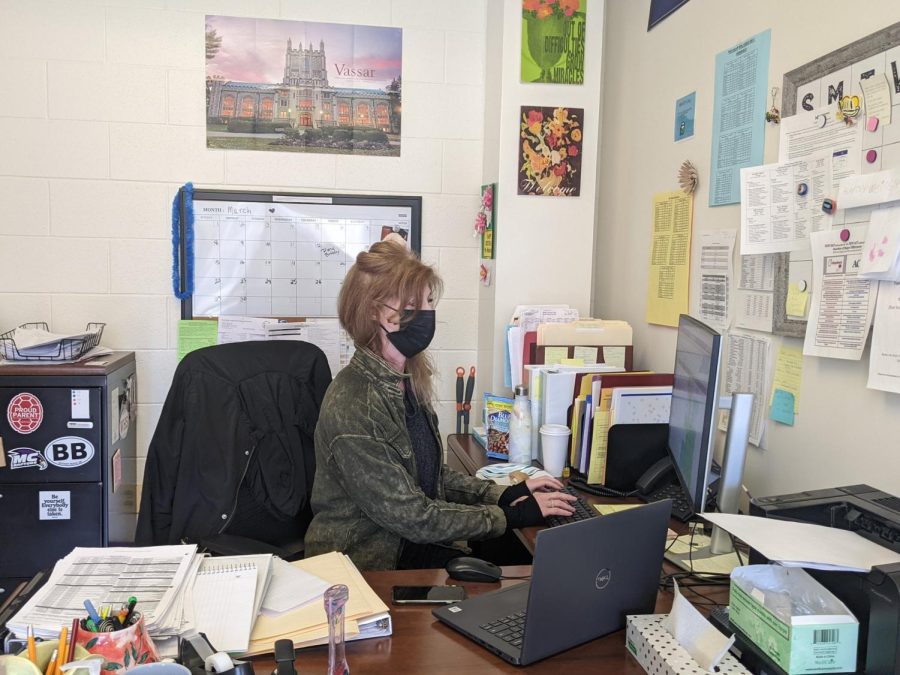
[(715, 554)]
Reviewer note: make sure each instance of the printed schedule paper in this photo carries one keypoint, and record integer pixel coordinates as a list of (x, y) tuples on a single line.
[(738, 115), (842, 303), (670, 254)]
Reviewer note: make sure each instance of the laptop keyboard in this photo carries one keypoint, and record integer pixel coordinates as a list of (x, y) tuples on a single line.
[(583, 511), (681, 505), (509, 628)]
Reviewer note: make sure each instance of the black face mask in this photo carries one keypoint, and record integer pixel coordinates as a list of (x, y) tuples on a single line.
[(415, 334)]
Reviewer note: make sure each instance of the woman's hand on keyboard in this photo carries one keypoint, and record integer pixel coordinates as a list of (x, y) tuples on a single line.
[(555, 503), (543, 484)]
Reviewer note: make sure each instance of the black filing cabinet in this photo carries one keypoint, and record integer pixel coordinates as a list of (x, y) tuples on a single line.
[(68, 466)]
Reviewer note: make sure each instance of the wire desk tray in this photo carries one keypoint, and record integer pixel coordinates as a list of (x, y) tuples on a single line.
[(68, 349)]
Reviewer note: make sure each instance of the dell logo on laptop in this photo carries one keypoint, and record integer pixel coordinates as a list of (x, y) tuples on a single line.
[(603, 578)]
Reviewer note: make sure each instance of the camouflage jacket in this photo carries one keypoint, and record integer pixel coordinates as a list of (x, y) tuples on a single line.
[(366, 496)]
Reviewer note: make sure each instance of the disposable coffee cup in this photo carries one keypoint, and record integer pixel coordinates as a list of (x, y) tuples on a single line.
[(554, 448)]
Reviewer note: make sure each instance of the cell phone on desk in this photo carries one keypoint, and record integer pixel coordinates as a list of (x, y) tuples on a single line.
[(427, 595)]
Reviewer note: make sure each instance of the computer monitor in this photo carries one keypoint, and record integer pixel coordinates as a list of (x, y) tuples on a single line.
[(694, 403)]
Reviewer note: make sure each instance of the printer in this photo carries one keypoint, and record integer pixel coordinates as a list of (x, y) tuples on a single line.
[(874, 598)]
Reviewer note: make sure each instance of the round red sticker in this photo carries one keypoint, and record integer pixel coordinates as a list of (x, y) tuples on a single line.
[(25, 413)]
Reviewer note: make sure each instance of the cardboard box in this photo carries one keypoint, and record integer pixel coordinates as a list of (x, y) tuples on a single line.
[(793, 619), (660, 654)]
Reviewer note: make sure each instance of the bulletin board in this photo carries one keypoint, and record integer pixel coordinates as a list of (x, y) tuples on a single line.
[(822, 82), (267, 254)]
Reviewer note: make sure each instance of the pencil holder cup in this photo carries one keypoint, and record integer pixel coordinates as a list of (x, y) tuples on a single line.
[(123, 649), (44, 649)]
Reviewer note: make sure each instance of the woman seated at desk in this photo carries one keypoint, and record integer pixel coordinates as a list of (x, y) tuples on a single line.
[(381, 493)]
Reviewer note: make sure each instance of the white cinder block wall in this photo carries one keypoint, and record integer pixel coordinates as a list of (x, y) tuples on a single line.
[(104, 119)]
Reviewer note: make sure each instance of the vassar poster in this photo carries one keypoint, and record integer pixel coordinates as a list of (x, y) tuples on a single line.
[(300, 86)]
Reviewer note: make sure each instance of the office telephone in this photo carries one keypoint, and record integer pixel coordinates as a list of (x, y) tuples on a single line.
[(657, 475), (662, 472)]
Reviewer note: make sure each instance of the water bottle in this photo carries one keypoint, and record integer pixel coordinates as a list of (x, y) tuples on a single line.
[(520, 428), (335, 598)]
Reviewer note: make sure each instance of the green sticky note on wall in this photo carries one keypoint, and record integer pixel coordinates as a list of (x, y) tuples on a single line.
[(782, 409)]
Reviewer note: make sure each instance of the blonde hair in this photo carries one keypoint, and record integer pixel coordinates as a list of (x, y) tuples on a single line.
[(388, 272)]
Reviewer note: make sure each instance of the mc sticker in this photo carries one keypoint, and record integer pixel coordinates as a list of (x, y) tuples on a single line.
[(26, 458), (68, 452)]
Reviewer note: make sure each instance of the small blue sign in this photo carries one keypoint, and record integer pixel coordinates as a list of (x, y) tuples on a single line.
[(684, 116)]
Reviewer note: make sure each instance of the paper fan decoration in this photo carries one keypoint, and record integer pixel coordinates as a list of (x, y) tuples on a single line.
[(688, 177)]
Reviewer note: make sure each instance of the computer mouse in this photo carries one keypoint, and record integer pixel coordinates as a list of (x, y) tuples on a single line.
[(473, 569)]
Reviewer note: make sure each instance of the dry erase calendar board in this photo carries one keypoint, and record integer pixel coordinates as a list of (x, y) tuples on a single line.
[(283, 254)]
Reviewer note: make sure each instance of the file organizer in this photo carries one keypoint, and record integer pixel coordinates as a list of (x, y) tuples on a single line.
[(631, 450)]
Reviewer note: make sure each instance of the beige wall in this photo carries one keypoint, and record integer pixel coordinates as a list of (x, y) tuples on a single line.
[(105, 119), (845, 433)]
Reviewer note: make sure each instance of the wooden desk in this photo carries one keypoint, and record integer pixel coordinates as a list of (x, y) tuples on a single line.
[(421, 644)]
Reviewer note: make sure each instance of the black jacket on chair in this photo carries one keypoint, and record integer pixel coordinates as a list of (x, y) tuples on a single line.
[(238, 420)]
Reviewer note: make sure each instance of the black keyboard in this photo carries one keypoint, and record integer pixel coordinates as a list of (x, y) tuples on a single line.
[(583, 511), (681, 504), (509, 628)]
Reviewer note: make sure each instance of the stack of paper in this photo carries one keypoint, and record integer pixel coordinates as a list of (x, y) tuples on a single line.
[(225, 598), (157, 576), (291, 587), (365, 615), (806, 545)]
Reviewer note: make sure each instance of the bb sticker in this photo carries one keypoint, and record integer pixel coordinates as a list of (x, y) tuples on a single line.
[(25, 413), (26, 458), (68, 452), (55, 505)]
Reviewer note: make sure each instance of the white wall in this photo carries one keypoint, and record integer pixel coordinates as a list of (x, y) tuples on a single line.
[(544, 244), (105, 119), (844, 433)]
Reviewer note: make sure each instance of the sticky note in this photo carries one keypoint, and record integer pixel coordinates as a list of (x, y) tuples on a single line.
[(571, 362), (195, 334), (797, 301), (553, 356), (588, 355), (782, 409), (614, 356)]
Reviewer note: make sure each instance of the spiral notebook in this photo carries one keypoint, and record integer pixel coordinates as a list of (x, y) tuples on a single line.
[(227, 594)]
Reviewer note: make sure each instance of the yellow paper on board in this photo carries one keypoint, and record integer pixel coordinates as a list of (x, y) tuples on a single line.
[(195, 334), (788, 372), (614, 356), (553, 356), (572, 362), (588, 355), (797, 301), (668, 278)]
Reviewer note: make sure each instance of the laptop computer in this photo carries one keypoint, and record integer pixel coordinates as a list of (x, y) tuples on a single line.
[(586, 577)]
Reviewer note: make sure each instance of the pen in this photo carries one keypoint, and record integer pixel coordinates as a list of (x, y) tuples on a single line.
[(51, 664), (89, 607), (132, 601), (32, 648), (71, 655), (63, 648)]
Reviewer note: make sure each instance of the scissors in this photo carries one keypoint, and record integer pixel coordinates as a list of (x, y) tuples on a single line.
[(464, 405)]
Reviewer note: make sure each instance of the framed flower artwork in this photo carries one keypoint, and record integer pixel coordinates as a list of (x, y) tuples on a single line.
[(484, 220), (550, 151)]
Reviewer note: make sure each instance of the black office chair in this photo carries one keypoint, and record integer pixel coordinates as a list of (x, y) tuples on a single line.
[(231, 463)]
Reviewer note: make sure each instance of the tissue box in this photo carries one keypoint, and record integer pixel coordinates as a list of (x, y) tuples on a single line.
[(660, 654), (793, 619)]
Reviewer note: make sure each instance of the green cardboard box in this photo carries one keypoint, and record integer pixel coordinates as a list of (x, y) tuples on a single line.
[(795, 620)]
